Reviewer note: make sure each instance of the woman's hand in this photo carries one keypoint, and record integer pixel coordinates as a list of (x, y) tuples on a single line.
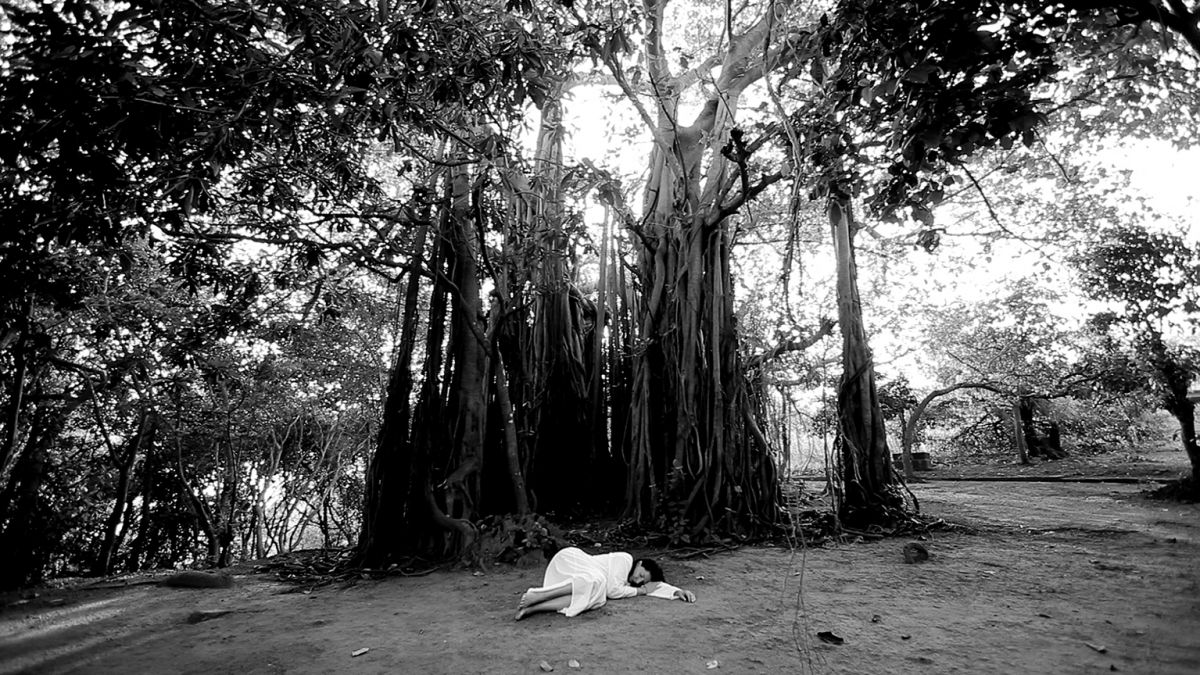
[(686, 596)]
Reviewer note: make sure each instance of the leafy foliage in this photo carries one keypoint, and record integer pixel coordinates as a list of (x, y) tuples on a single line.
[(1153, 279)]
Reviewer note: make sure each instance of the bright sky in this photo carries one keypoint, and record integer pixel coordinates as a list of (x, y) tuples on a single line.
[(1168, 176)]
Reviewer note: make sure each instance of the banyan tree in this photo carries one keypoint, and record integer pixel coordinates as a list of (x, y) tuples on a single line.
[(548, 397)]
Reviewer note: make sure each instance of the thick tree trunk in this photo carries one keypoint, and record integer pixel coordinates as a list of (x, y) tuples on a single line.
[(1184, 411), (1019, 437), (1187, 435), (558, 394), (698, 462), (22, 540), (389, 480), (28, 534), (1031, 441), (870, 494), (469, 382)]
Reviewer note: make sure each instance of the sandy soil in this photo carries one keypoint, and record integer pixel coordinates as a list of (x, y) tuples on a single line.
[(1047, 578)]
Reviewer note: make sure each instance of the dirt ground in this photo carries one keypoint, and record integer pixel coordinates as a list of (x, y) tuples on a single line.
[(1046, 577)]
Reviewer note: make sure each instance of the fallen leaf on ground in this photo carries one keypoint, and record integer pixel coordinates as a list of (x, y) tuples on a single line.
[(206, 614), (828, 636), (915, 553)]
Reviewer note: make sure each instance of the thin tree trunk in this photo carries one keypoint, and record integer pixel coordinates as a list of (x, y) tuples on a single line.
[(126, 463), (198, 505), (140, 549), (16, 402), (906, 452), (511, 447), (16, 399)]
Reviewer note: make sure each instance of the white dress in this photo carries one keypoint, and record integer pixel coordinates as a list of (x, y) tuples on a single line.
[(593, 579)]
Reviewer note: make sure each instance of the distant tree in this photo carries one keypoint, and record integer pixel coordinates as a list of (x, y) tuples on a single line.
[(1152, 282)]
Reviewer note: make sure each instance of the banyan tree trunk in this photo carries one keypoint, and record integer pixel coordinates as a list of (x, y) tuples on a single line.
[(558, 369), (387, 530), (868, 481), (458, 490), (698, 464), (422, 485)]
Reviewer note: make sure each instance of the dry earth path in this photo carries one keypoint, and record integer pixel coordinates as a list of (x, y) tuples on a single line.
[(1050, 578)]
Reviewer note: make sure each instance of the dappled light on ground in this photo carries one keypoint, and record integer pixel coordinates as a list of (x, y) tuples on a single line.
[(62, 634)]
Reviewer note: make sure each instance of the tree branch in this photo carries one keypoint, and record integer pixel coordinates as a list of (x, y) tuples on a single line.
[(795, 345)]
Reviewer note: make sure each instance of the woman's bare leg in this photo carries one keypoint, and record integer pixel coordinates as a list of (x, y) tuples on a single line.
[(534, 596), (554, 604)]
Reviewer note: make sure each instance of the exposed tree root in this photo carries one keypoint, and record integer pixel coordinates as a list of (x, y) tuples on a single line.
[(1183, 490)]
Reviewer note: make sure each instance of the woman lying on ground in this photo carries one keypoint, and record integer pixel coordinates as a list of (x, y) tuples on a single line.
[(576, 582)]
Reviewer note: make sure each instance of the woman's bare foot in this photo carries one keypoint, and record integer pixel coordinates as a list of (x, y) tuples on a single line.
[(523, 604), (534, 601), (534, 597)]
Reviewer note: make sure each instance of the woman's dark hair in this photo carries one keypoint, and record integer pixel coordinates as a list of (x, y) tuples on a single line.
[(651, 567)]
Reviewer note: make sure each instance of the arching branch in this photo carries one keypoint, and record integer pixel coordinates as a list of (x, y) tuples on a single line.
[(910, 428)]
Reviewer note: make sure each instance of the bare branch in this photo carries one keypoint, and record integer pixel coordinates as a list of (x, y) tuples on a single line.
[(824, 330)]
